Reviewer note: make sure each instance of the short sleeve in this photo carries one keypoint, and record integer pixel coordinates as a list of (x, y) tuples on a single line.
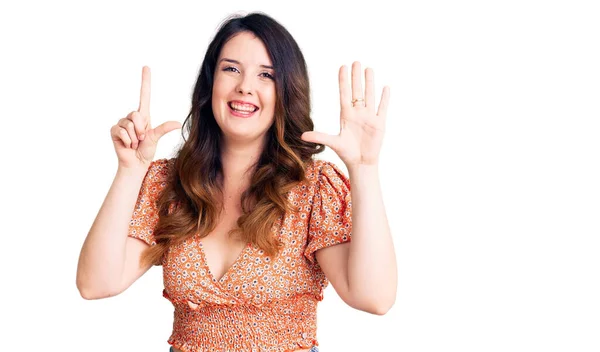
[(331, 215), (145, 213)]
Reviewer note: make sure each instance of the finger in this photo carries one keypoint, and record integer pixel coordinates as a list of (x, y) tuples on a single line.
[(129, 126), (144, 107), (320, 138), (114, 133), (140, 123), (384, 103), (124, 137), (165, 128), (345, 94), (357, 90), (370, 88)]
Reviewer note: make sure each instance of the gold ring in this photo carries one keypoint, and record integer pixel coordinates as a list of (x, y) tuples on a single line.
[(354, 101)]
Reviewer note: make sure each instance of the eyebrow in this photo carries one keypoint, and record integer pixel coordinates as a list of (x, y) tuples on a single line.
[(239, 63)]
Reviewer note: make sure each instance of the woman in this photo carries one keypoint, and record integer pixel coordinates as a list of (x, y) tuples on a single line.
[(248, 226)]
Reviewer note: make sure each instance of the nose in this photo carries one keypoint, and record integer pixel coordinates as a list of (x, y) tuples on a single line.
[(245, 85)]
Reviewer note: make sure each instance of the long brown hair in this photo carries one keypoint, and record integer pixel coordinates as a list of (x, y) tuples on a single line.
[(192, 201)]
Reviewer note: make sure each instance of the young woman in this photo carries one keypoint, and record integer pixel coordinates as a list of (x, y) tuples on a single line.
[(248, 226)]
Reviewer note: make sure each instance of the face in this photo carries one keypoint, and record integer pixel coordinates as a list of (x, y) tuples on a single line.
[(243, 99)]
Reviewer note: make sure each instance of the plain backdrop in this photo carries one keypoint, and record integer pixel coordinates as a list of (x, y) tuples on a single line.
[(490, 165)]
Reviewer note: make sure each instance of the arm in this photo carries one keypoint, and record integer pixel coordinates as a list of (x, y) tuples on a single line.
[(109, 259), (363, 271), (108, 262)]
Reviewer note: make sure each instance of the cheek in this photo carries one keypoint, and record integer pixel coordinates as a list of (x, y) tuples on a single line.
[(218, 88), (270, 98), (219, 93)]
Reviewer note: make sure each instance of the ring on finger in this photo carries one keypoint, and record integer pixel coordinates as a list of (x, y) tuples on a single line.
[(354, 101)]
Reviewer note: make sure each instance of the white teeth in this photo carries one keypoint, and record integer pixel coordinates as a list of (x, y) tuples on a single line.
[(242, 107)]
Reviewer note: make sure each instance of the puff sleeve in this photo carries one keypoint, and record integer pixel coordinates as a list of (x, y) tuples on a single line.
[(331, 215), (145, 213)]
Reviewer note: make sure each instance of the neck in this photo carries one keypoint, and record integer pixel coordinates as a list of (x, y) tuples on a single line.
[(238, 162)]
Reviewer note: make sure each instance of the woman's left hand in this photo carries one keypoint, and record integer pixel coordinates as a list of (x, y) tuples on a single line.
[(361, 127)]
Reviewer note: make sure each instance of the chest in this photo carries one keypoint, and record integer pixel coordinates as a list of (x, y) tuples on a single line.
[(212, 270), (219, 250)]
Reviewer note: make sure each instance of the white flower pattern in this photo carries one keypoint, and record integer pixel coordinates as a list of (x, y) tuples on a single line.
[(260, 304)]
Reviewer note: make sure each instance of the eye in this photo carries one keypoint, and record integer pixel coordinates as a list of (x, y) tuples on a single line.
[(267, 75), (230, 68)]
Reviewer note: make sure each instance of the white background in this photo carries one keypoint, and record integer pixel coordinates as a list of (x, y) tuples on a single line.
[(489, 168)]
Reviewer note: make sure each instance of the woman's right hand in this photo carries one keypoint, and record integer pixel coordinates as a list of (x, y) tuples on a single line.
[(133, 137)]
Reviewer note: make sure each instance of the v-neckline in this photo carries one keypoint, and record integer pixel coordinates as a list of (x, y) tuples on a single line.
[(226, 273)]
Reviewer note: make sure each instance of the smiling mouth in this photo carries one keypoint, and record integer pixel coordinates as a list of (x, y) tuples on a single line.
[(242, 108)]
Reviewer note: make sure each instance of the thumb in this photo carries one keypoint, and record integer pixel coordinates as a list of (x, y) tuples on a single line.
[(320, 138), (165, 128)]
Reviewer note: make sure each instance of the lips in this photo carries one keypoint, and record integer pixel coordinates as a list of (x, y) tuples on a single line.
[(242, 106), (242, 109)]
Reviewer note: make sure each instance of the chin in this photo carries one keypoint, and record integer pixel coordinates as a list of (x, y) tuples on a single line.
[(243, 135), (236, 130)]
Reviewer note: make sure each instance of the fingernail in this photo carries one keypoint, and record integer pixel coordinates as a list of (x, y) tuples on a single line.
[(142, 137)]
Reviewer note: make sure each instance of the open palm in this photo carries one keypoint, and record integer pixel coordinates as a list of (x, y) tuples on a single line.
[(361, 126)]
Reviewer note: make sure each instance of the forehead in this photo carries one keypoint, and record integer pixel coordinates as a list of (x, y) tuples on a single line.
[(246, 48)]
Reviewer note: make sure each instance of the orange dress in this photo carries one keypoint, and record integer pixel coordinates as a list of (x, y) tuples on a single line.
[(260, 304)]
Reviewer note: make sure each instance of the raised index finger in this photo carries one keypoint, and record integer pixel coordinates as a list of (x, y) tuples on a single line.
[(144, 107)]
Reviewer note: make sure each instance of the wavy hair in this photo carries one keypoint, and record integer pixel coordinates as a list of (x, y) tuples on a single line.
[(191, 202)]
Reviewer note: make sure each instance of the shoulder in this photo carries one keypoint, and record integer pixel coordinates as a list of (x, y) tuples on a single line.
[(157, 176), (319, 171), (160, 170)]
